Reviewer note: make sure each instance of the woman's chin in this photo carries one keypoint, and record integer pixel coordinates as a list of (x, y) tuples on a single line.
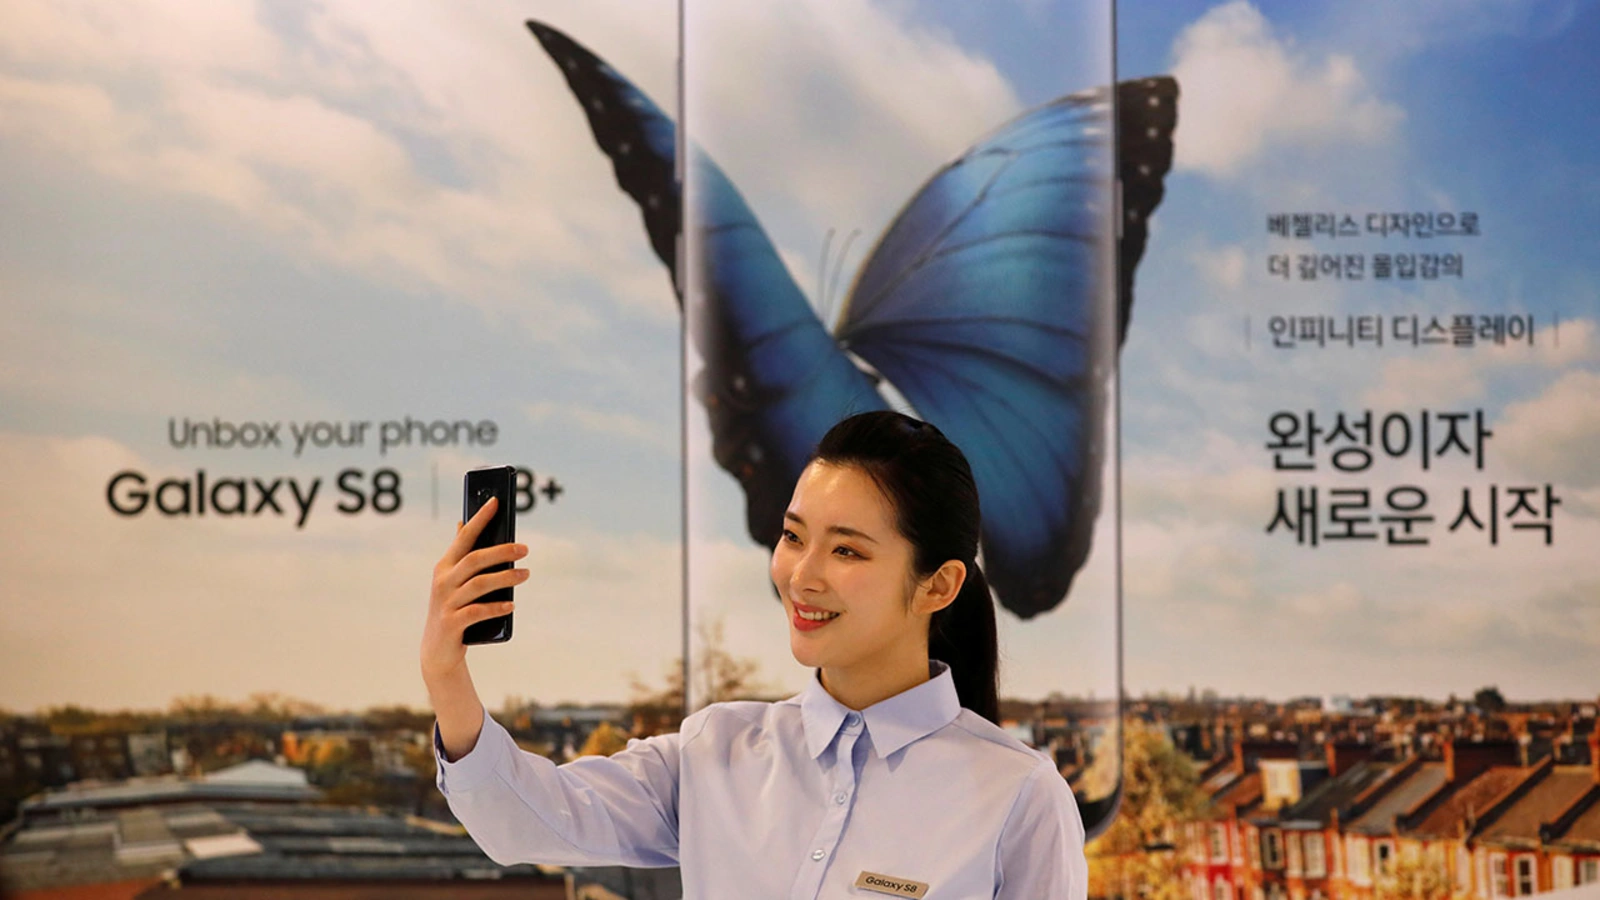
[(804, 649)]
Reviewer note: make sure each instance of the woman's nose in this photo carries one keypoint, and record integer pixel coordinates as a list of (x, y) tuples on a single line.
[(807, 572)]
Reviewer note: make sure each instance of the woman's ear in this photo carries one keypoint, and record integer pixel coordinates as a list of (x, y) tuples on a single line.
[(941, 588)]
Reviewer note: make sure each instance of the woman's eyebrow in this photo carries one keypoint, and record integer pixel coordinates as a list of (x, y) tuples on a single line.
[(845, 530)]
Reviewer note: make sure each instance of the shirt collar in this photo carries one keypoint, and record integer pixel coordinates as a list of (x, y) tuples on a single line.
[(892, 723)]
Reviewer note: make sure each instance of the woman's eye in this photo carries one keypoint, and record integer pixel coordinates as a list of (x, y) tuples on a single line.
[(790, 536), (845, 551)]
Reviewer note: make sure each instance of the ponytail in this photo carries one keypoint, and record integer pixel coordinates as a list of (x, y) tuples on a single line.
[(963, 636)]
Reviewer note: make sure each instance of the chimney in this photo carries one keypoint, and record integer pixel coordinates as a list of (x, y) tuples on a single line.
[(1594, 753), (1247, 752), (1344, 754), (1466, 760)]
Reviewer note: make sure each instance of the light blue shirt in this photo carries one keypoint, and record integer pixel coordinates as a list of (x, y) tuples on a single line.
[(795, 799)]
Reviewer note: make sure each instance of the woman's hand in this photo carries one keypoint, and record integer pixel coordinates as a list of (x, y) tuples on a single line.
[(456, 583)]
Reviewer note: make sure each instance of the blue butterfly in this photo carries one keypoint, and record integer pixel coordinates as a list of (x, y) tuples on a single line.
[(978, 304)]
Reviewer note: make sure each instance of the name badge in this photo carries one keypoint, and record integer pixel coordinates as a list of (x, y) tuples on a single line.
[(889, 884)]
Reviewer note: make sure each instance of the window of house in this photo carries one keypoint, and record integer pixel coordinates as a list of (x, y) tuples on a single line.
[(1525, 883), (1383, 858), (1560, 872), (1356, 856), (1499, 883), (1253, 842), (1292, 854), (1221, 890), (1316, 860), (1463, 869), (1272, 848), (1219, 844), (1590, 870)]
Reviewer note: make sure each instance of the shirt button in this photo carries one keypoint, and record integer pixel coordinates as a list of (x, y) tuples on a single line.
[(817, 854), (852, 718), (840, 798)]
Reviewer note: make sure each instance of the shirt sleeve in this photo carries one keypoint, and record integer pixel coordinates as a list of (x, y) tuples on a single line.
[(522, 808), (1041, 853)]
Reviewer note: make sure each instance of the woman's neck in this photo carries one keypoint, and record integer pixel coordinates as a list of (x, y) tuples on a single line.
[(861, 686)]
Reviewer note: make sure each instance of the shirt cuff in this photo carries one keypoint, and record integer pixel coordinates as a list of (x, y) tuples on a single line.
[(479, 765)]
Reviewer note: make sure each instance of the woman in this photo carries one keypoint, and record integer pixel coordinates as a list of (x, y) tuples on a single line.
[(886, 775)]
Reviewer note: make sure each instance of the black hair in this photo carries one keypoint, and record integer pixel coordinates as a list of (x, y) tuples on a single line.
[(927, 481)]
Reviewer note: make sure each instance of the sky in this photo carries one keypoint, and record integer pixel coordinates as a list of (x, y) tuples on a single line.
[(267, 213)]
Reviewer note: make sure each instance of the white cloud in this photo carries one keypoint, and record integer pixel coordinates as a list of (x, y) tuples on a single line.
[(1214, 480), (659, 436), (1449, 376), (1442, 379), (332, 141), (1247, 91), (1554, 436), (857, 107), (1224, 267), (112, 371)]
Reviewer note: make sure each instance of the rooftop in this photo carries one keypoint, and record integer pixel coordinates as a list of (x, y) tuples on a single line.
[(1543, 802), (1379, 819), (228, 843), (252, 780), (1319, 803), (1471, 799)]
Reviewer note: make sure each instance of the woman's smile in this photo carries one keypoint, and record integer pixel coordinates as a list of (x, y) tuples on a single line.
[(810, 618)]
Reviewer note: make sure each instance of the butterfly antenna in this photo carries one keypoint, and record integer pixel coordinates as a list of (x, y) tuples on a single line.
[(838, 269), (822, 269)]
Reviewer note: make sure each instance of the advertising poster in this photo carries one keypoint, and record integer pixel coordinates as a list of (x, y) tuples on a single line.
[(274, 277), (1359, 423)]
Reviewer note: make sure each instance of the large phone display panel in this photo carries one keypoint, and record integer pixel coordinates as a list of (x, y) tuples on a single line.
[(913, 208)]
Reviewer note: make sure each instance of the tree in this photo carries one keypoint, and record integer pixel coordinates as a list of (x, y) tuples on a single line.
[(1415, 876), (605, 740), (1489, 699), (1160, 789), (718, 676)]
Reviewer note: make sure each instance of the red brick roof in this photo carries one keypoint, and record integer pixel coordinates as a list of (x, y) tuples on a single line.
[(1543, 802), (1474, 797)]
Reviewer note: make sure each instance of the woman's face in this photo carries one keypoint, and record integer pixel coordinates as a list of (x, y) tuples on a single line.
[(841, 557)]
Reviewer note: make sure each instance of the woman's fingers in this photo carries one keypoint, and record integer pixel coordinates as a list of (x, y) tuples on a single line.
[(468, 533), (449, 580), (478, 560), (480, 611), (479, 585)]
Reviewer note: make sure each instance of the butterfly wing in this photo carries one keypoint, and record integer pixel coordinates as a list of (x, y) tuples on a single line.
[(1147, 113), (984, 304), (774, 380), (630, 129)]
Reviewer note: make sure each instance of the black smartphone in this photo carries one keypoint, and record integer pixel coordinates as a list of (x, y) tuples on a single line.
[(478, 486)]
